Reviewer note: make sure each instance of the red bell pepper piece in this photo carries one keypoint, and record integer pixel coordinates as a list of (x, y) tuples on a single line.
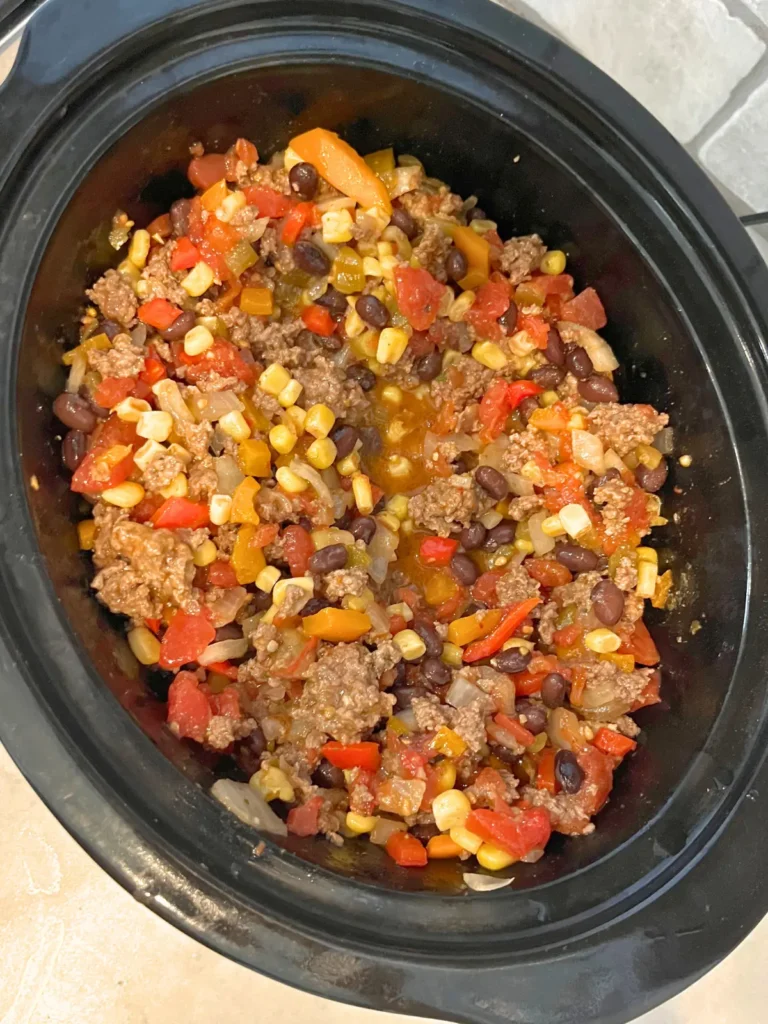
[(303, 821), (352, 755), (437, 550), (158, 313), (512, 619), (406, 850), (154, 370), (113, 390), (185, 639), (185, 254), (499, 401), (318, 320), (613, 743), (299, 548), (222, 574), (545, 771), (515, 728), (189, 712), (180, 512), (586, 309), (300, 216), (517, 833)]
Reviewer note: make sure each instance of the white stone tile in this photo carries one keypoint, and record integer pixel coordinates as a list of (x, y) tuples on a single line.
[(737, 153), (680, 58), (760, 7)]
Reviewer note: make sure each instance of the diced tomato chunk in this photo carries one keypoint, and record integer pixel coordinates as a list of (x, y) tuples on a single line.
[(175, 513), (299, 548), (185, 639), (223, 358), (185, 254), (110, 460), (518, 833), (491, 302), (204, 171), (154, 370), (303, 821), (639, 643), (158, 313), (586, 309), (189, 712), (113, 390), (268, 203), (418, 295), (300, 216), (222, 574)]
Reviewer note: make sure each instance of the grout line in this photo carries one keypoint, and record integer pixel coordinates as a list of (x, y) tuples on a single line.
[(738, 9), (738, 98)]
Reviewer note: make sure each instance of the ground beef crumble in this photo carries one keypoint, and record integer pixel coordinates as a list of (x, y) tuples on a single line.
[(521, 256), (124, 359), (624, 427), (115, 297), (446, 505), (516, 585)]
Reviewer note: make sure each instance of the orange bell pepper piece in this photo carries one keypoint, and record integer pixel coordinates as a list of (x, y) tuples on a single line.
[(256, 301), (214, 196), (545, 772), (254, 458), (478, 254), (443, 848), (243, 510), (613, 743), (247, 557), (472, 627), (342, 167), (513, 617), (338, 625)]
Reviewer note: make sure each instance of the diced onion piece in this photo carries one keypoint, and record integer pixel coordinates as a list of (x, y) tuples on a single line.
[(575, 519), (224, 650), (461, 692), (665, 441), (598, 350), (563, 728), (216, 404), (614, 461), (77, 372), (408, 718), (379, 620), (384, 828), (519, 486), (248, 805), (228, 474), (321, 488), (542, 544), (225, 608), (485, 883), (463, 442), (588, 451)]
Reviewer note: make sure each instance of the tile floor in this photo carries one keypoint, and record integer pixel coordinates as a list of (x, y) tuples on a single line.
[(75, 948)]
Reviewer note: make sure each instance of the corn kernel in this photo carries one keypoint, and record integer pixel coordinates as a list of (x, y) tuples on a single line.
[(294, 418), (139, 248), (145, 645), (523, 545), (148, 453), (645, 554), (348, 465), (574, 519), (451, 809), (445, 776), (461, 306), (448, 742), (362, 493), (531, 472), (232, 203), (359, 824), (337, 226), (354, 325), (291, 158), (125, 495), (267, 578), (397, 431), (602, 641), (198, 280), (398, 506), (647, 574), (452, 655), (392, 395), (179, 453), (491, 857), (274, 379), (154, 425), (177, 488), (131, 409), (197, 340), (393, 342), (220, 508), (290, 393), (291, 482), (321, 454), (131, 272), (86, 534), (465, 839), (358, 603), (397, 726), (205, 554), (489, 354), (553, 527), (389, 520), (686, 461), (320, 420), (372, 267), (272, 783), (410, 644), (648, 455), (305, 583), (399, 466), (402, 609), (553, 262), (169, 399), (235, 425)]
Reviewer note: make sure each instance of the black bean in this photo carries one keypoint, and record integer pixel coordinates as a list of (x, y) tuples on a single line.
[(260, 600), (514, 659), (475, 214), (362, 375), (74, 448), (428, 366), (608, 475), (373, 311), (305, 523), (555, 350), (183, 323), (548, 377), (508, 319), (430, 636), (334, 301), (513, 760), (492, 481), (402, 219), (464, 570), (575, 557), (363, 528), (248, 751), (180, 216), (345, 438), (372, 443), (311, 259), (424, 831), (313, 606), (110, 328), (303, 179), (504, 533), (475, 606), (460, 464), (568, 772), (456, 265), (139, 335), (607, 602), (328, 776), (652, 480), (554, 688), (472, 536), (328, 559), (74, 412), (535, 716), (578, 362), (435, 672), (449, 335), (404, 695), (229, 632), (527, 407), (598, 389)]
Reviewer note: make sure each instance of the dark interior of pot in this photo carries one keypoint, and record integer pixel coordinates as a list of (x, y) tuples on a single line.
[(523, 182)]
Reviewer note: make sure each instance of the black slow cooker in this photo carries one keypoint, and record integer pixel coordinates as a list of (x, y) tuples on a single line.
[(99, 113)]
